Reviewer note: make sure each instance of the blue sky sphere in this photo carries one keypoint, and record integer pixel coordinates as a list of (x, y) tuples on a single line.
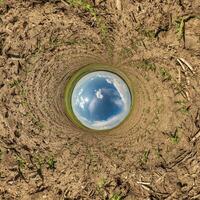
[(101, 100)]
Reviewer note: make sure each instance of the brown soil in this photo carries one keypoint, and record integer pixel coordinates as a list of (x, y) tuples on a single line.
[(155, 154)]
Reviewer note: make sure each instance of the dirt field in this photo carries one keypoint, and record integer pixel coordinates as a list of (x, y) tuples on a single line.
[(155, 154)]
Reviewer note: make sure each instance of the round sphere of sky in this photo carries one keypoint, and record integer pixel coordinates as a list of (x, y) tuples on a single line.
[(101, 100)]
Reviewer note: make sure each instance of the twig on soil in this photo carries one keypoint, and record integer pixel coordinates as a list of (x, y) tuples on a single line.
[(196, 136), (181, 64), (187, 95), (150, 189), (118, 4), (179, 75), (143, 183), (133, 17), (197, 119), (64, 2), (182, 157), (143, 44), (196, 197), (184, 63), (146, 188), (188, 65)]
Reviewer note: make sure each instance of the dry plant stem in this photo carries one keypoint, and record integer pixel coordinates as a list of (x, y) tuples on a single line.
[(196, 136), (133, 17), (181, 64), (179, 75), (188, 65), (143, 183), (146, 188), (64, 2), (118, 4)]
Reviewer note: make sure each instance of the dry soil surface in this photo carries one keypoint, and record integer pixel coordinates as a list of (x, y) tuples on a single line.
[(155, 154)]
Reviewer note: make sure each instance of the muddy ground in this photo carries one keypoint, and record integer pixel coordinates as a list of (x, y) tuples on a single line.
[(155, 154)]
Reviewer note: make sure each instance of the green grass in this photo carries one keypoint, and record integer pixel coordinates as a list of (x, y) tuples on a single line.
[(51, 162), (180, 102), (15, 83), (158, 152), (137, 43), (103, 28), (71, 42), (184, 110), (150, 34), (180, 25), (174, 137), (116, 197), (21, 163), (87, 7), (166, 76), (147, 65), (126, 52), (144, 157), (39, 163), (102, 182), (83, 5)]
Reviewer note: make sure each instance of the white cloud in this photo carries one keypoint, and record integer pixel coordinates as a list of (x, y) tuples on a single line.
[(82, 101), (109, 81), (99, 94), (106, 124), (80, 92), (118, 102)]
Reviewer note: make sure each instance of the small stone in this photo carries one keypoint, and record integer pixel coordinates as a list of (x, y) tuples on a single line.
[(17, 134)]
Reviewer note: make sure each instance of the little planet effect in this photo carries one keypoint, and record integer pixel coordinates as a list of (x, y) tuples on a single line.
[(101, 100)]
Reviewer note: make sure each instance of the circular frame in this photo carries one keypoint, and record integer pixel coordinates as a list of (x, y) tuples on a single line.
[(76, 76)]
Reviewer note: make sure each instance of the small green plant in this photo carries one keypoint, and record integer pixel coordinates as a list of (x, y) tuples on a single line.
[(116, 197), (20, 164), (145, 156), (39, 163), (149, 33), (87, 7), (71, 42), (101, 183), (147, 65), (184, 110), (166, 76), (37, 123), (158, 152), (174, 137), (180, 102), (180, 27), (126, 52), (103, 28), (15, 83), (146, 32), (83, 5), (51, 162), (135, 44)]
